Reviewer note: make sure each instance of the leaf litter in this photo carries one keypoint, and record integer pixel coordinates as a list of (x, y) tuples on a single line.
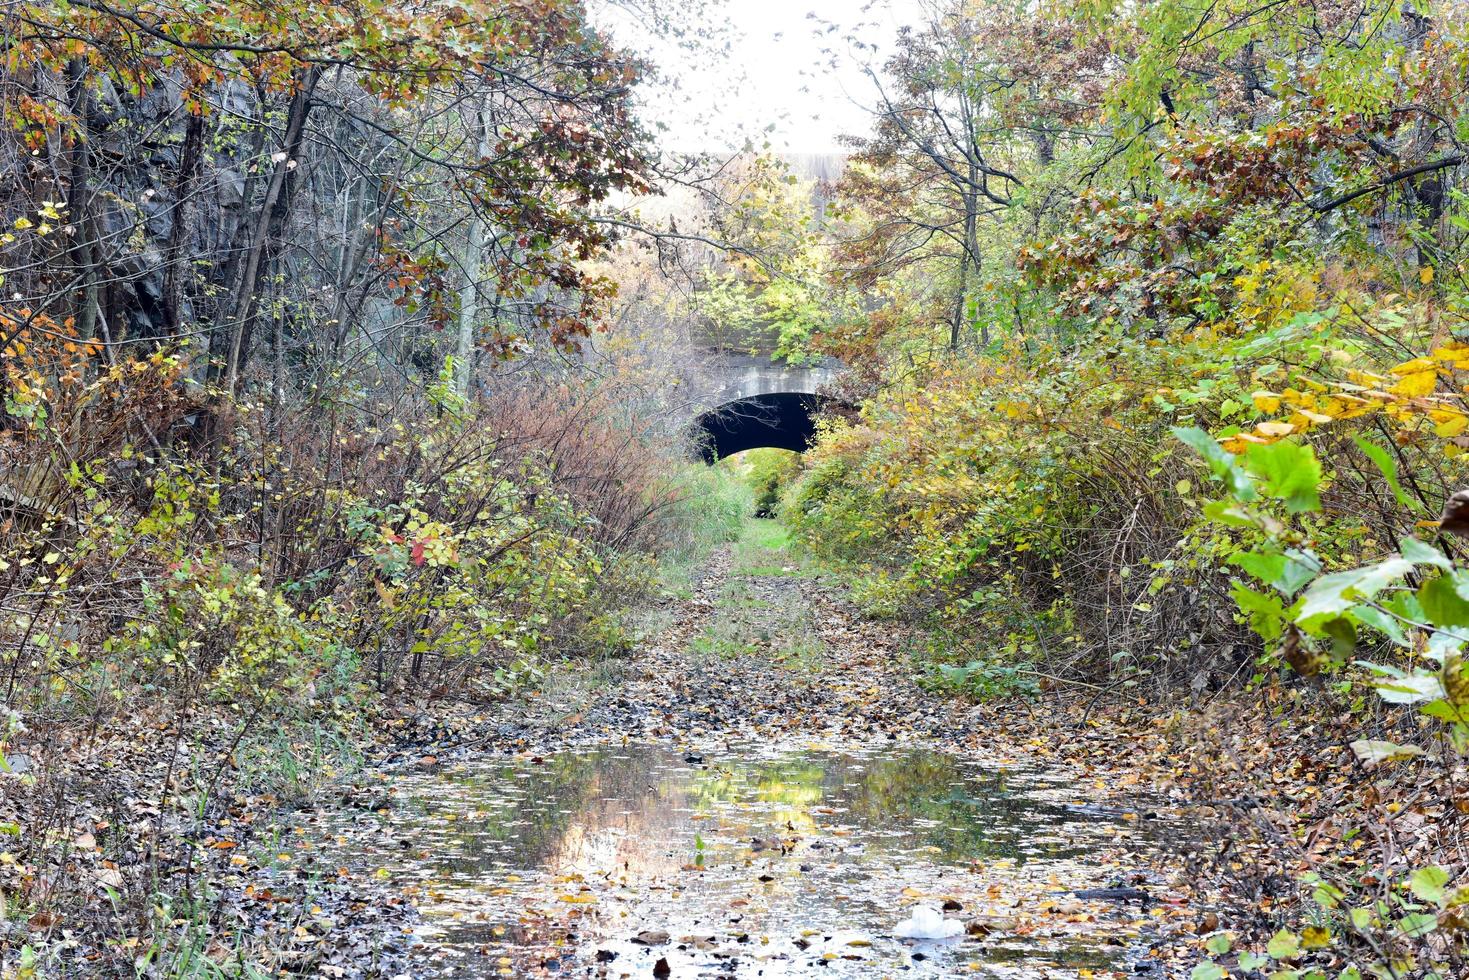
[(728, 809), (762, 790)]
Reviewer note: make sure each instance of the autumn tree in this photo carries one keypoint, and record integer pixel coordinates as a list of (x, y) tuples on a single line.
[(935, 166), (211, 164)]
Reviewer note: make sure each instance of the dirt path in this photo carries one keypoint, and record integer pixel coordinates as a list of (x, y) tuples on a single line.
[(764, 651), (763, 791)]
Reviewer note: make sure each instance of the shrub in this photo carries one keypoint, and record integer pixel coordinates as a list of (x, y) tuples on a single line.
[(769, 472)]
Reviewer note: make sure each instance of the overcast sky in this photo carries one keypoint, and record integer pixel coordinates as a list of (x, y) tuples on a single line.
[(790, 67)]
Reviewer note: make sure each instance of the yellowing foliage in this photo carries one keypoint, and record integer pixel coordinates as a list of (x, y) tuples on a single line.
[(1424, 392)]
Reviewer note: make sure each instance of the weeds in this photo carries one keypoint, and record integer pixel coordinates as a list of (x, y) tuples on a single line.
[(761, 610)]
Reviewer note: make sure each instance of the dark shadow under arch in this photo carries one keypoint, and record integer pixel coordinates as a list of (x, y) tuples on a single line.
[(780, 420)]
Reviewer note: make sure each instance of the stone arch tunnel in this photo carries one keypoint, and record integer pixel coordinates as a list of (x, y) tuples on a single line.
[(775, 420), (750, 402)]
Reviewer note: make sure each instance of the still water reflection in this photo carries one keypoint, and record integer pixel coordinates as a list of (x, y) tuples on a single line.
[(753, 862)]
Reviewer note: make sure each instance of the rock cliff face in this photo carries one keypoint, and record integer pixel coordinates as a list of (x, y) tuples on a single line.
[(230, 222), (313, 223), (156, 197)]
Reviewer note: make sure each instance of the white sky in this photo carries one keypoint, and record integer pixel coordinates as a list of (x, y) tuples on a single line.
[(769, 64)]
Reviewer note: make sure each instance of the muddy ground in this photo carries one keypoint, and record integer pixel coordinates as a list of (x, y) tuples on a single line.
[(755, 663)]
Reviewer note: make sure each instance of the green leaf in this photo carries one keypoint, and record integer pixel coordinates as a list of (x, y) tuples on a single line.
[(1220, 461), (1218, 944), (1418, 924), (1443, 642), (1285, 572), (1442, 603), (1445, 710), (1332, 595), (1228, 513), (1327, 895), (1266, 612), (1404, 605), (1284, 945), (1343, 636), (1382, 622), (1422, 553), (1289, 472), (1428, 884), (1207, 971), (1388, 467)]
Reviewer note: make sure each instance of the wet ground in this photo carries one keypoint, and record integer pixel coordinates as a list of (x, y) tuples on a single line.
[(736, 861), (762, 791)]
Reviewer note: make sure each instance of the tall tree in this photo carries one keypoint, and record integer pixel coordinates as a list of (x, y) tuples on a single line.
[(935, 165)]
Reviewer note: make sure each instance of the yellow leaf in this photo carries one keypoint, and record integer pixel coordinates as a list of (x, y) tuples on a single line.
[(1416, 366), (1275, 430), (1266, 401), (1452, 427), (1425, 274), (1416, 385)]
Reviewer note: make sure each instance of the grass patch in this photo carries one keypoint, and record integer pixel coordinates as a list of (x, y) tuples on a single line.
[(770, 619), (769, 535), (295, 763), (763, 551)]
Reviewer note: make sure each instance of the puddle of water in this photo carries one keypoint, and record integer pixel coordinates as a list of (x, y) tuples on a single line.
[(754, 863)]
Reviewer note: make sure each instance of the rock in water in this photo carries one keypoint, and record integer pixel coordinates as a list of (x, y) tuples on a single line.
[(928, 923)]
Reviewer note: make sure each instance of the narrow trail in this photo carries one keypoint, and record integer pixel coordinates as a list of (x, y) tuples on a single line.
[(765, 652), (763, 791)]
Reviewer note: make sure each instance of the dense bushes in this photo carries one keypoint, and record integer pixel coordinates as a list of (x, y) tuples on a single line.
[(1171, 398), (1021, 504), (1043, 504), (257, 420), (768, 472), (1219, 263), (448, 546)]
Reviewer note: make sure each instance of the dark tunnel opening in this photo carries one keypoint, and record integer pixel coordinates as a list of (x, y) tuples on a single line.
[(780, 420)]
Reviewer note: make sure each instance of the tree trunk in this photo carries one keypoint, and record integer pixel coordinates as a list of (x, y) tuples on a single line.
[(471, 262), (968, 259), (274, 210), (83, 258), (185, 188)]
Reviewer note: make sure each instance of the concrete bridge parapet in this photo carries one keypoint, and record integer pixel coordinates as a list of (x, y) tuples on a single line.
[(723, 377), (744, 401)]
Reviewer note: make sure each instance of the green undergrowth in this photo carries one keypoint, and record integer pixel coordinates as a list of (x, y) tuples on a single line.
[(765, 548), (714, 506), (761, 608), (296, 764)]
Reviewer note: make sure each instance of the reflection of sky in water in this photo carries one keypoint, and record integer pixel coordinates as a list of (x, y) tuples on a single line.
[(837, 835)]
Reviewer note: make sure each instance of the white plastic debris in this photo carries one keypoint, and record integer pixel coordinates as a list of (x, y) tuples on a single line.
[(928, 923)]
